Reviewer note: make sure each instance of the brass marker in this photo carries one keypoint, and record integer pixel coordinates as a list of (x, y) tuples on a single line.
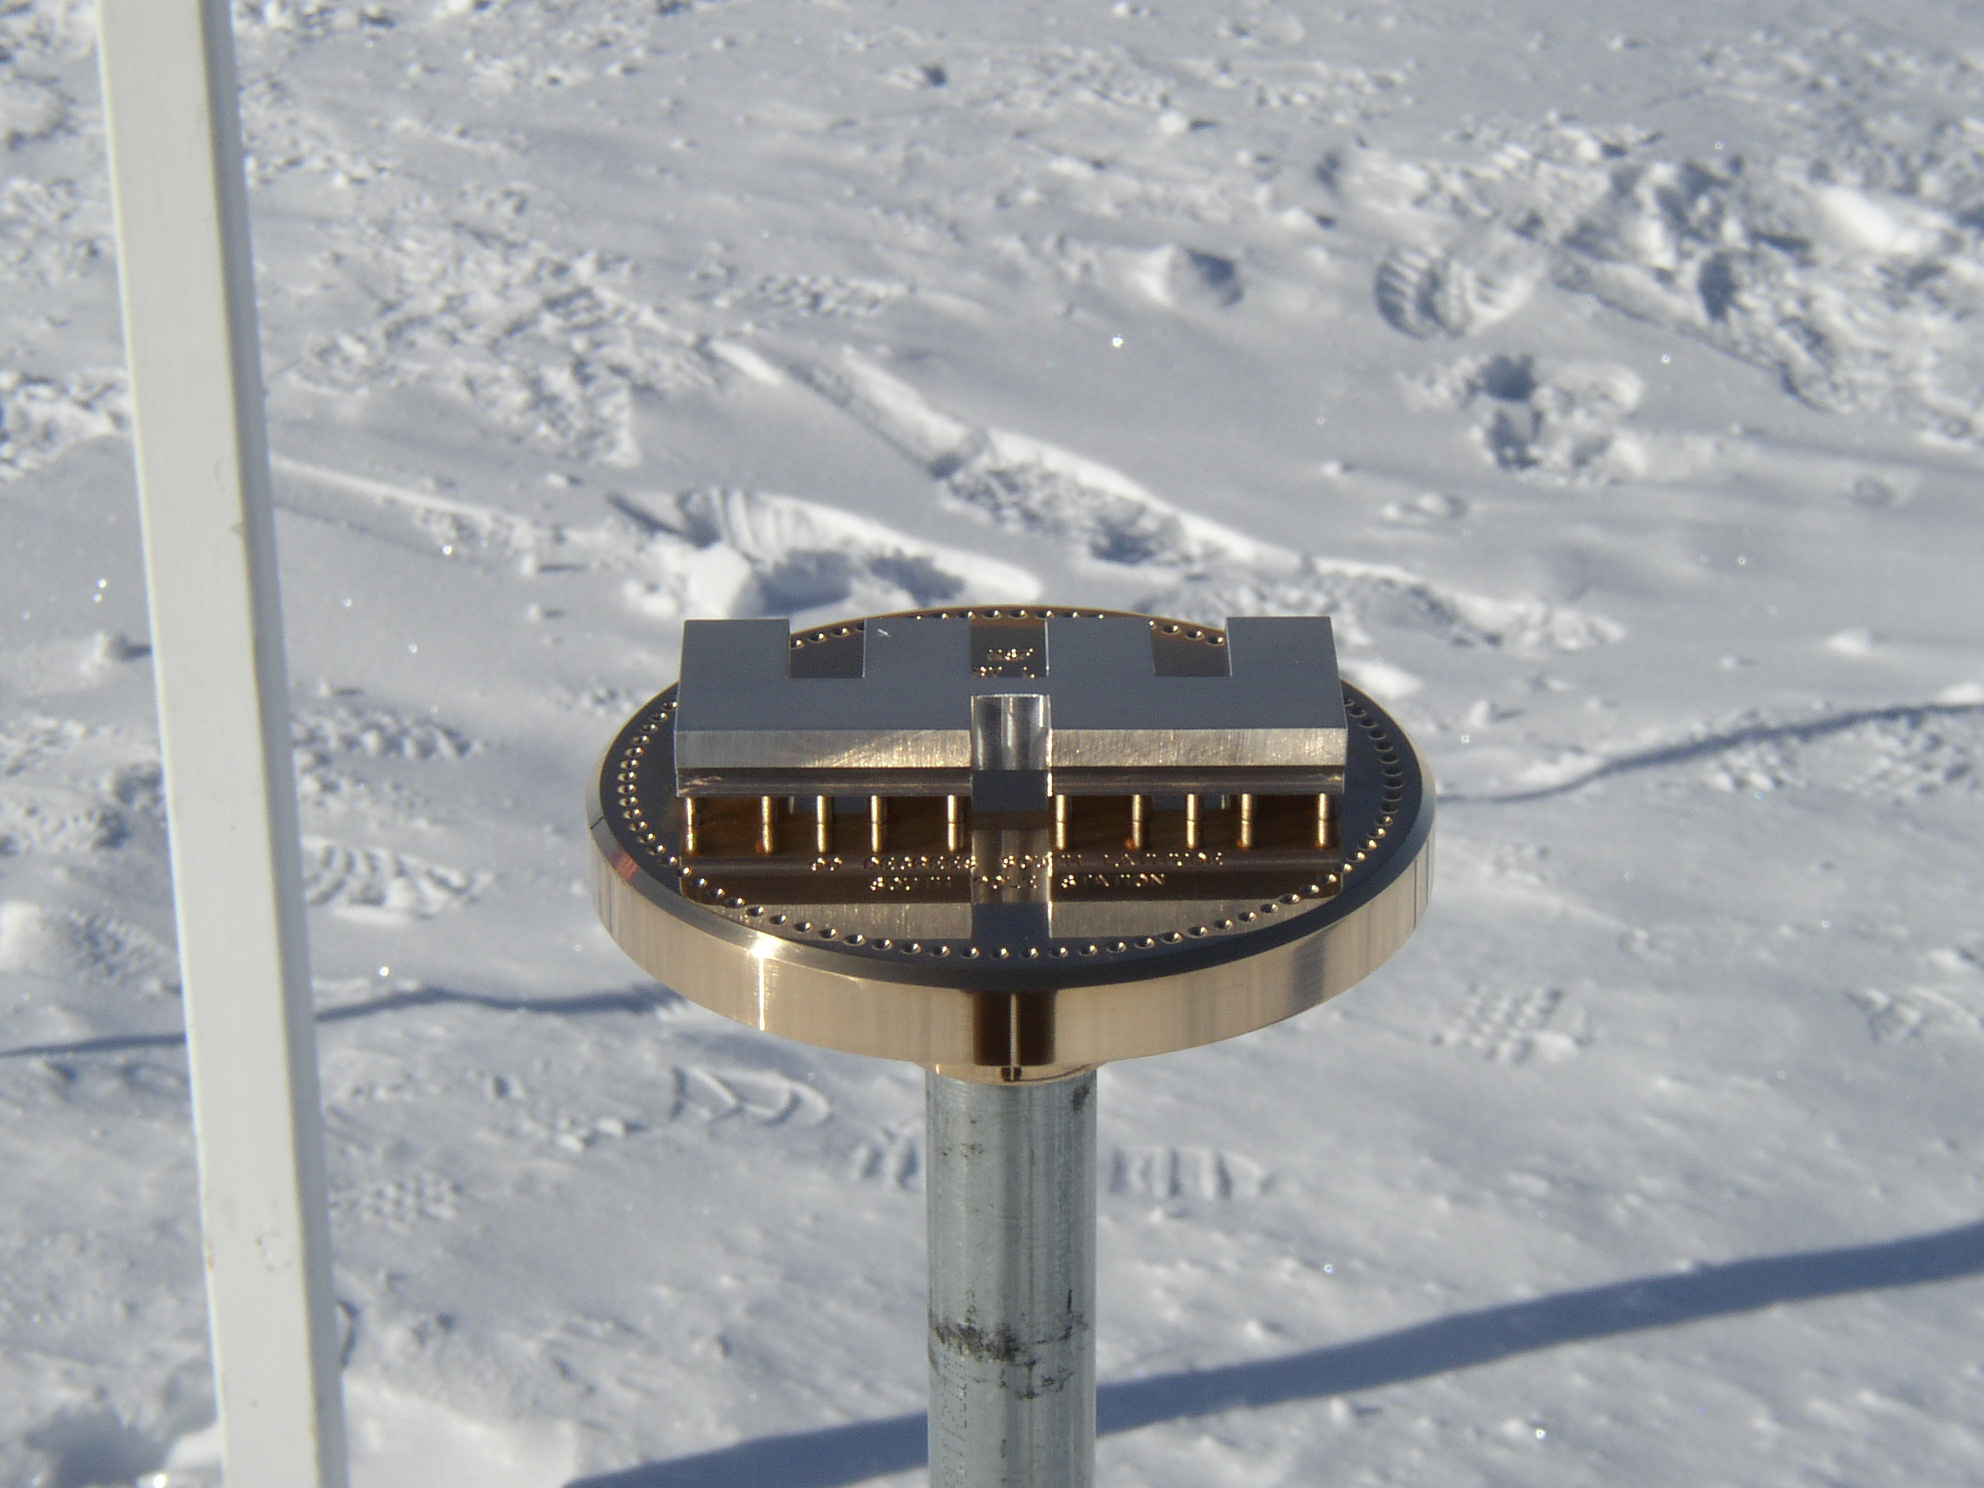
[(1011, 976)]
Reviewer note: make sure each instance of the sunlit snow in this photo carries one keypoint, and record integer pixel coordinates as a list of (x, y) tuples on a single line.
[(1611, 373)]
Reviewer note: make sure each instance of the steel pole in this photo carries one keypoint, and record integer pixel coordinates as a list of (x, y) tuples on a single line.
[(1011, 1180)]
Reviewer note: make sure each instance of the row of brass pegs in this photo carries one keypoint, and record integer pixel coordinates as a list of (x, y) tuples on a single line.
[(775, 812)]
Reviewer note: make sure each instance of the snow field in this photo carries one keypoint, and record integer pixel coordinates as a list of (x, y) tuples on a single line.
[(1610, 377)]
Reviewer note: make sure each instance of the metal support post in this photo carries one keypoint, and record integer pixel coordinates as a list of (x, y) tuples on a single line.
[(1038, 944), (1012, 1282)]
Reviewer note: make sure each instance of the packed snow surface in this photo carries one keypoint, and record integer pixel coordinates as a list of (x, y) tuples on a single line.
[(1612, 373)]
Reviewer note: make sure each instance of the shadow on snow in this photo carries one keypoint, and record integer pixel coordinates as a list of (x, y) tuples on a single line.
[(1809, 731), (838, 1455), (634, 1000)]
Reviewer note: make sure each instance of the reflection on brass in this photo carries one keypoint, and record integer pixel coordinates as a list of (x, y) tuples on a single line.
[(808, 991), (1113, 919), (1014, 941)]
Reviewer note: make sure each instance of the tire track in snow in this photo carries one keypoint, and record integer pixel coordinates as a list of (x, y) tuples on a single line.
[(1205, 570), (712, 551)]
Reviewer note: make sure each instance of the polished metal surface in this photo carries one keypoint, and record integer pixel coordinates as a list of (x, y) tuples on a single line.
[(955, 702), (1009, 845), (977, 942), (1011, 1182)]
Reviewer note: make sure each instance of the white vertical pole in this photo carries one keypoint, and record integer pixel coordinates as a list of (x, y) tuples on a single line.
[(223, 699)]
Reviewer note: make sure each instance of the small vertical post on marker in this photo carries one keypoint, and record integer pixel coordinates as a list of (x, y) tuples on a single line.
[(173, 116)]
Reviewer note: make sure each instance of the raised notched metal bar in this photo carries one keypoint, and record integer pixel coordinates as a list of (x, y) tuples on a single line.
[(923, 704)]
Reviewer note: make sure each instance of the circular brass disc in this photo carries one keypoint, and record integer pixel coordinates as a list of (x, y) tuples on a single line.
[(976, 1008)]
